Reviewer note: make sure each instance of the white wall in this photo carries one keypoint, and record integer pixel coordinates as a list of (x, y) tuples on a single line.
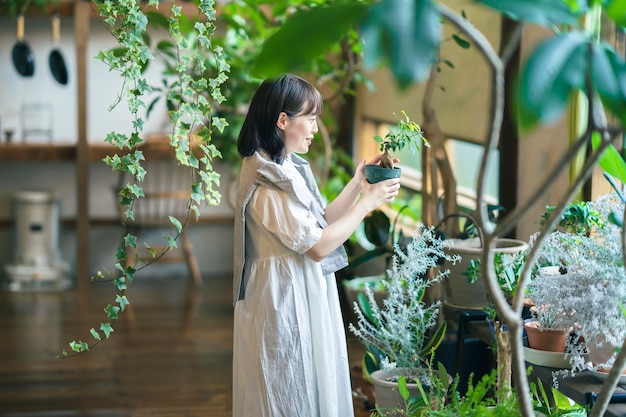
[(213, 242)]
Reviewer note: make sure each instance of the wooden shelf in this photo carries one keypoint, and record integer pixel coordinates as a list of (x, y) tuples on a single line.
[(44, 152), (10, 152)]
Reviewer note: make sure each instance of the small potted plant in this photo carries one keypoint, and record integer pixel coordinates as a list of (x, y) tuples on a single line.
[(407, 134), (401, 335), (543, 331)]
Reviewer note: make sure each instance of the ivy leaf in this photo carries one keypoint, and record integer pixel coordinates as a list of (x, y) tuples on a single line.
[(170, 242), (306, 35), (107, 329), (95, 334), (150, 250), (79, 346), (112, 311), (176, 223), (130, 240), (122, 301)]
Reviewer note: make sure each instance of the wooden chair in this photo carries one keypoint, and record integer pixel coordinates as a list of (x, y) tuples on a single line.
[(167, 188)]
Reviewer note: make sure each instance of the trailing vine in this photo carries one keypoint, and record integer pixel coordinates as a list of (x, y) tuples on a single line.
[(127, 22)]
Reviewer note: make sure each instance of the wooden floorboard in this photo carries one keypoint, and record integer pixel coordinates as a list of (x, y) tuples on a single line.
[(170, 354)]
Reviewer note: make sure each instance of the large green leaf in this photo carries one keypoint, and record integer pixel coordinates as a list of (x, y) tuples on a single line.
[(376, 226), (611, 160), (616, 10), (541, 12), (405, 34), (366, 308), (608, 73), (434, 341), (369, 364), (305, 36), (555, 69)]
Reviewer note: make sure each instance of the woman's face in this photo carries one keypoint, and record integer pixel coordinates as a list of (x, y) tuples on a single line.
[(298, 131)]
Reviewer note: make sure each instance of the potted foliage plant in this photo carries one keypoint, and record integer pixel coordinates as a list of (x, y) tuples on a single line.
[(543, 332), (465, 288), (589, 279), (407, 134), (370, 259), (401, 335)]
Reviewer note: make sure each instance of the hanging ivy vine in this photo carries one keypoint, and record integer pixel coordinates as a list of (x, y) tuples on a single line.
[(127, 22)]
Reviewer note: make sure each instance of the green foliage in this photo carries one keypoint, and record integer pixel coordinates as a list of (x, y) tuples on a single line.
[(380, 233), (406, 134), (508, 269), (441, 398), (560, 405), (188, 95), (13, 7), (399, 333), (337, 20), (587, 275), (405, 35), (578, 218)]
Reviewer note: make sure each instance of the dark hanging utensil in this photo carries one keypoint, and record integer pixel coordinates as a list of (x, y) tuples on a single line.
[(23, 58), (55, 60)]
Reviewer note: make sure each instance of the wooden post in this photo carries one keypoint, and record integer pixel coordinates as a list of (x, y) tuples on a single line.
[(82, 17), (503, 342)]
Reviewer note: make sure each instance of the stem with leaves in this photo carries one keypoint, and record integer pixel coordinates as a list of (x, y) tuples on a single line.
[(127, 23)]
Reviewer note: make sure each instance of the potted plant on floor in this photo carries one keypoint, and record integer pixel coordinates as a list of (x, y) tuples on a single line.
[(442, 399), (401, 335), (407, 134), (587, 277)]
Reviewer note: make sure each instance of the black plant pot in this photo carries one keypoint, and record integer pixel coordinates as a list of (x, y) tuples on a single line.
[(375, 174)]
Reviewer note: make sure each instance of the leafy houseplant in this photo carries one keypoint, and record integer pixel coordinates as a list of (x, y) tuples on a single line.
[(398, 335), (587, 283), (127, 22), (407, 134), (441, 398)]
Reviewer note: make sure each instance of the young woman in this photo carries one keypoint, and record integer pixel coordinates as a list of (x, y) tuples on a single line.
[(289, 355)]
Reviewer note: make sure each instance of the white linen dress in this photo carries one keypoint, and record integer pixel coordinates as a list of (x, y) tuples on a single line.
[(289, 354)]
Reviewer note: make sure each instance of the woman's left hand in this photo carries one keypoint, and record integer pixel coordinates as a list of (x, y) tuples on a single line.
[(359, 173)]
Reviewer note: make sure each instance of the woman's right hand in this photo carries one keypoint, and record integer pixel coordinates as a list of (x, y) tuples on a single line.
[(375, 195)]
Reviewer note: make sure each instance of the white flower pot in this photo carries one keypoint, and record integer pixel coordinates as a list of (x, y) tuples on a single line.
[(461, 293), (387, 395)]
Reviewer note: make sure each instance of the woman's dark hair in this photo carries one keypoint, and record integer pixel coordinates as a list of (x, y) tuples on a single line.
[(287, 93)]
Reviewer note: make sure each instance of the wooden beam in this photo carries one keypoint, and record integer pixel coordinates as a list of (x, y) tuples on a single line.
[(82, 13)]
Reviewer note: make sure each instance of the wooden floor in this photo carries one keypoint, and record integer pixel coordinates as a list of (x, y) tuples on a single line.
[(170, 355)]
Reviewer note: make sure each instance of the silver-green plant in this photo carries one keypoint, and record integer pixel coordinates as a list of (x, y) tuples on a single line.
[(399, 330), (586, 292)]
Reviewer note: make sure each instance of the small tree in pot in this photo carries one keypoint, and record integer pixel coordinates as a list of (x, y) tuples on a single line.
[(407, 134)]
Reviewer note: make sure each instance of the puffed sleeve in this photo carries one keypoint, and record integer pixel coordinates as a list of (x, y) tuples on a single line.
[(292, 223)]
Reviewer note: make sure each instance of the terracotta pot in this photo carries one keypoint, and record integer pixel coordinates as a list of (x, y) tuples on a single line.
[(552, 340)]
